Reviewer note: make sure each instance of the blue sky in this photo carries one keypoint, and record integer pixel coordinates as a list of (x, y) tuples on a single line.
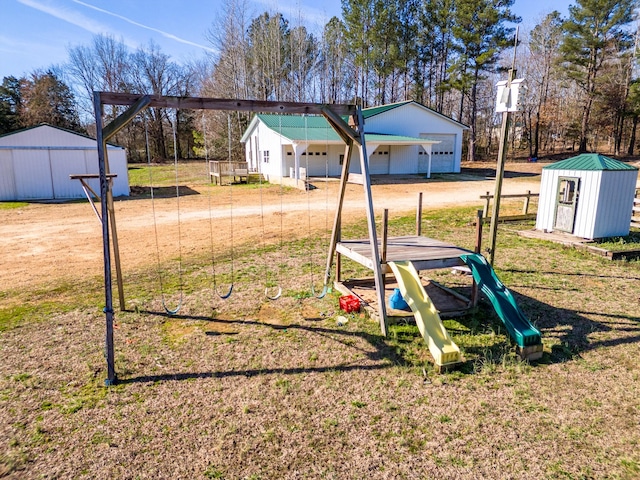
[(37, 33)]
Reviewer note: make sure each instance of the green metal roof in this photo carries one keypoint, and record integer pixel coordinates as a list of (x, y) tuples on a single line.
[(299, 128), (384, 138), (370, 112), (589, 161)]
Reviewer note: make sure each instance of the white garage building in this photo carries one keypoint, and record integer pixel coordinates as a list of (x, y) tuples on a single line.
[(35, 164), (401, 138)]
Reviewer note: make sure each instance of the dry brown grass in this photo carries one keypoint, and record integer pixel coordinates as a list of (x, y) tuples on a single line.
[(248, 388)]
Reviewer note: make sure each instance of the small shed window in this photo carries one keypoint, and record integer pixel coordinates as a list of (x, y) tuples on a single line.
[(341, 159), (265, 156), (567, 190)]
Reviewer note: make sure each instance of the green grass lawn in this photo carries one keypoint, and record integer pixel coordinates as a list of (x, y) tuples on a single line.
[(252, 388)]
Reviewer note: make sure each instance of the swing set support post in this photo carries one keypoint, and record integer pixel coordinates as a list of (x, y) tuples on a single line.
[(371, 222), (108, 219), (337, 220), (108, 294), (341, 128), (350, 136)]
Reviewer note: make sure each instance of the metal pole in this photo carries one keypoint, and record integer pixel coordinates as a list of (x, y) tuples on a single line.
[(385, 236), (419, 215), (478, 249), (108, 294), (385, 233), (502, 153)]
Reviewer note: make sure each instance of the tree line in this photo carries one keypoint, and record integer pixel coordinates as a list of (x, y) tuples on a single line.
[(583, 91)]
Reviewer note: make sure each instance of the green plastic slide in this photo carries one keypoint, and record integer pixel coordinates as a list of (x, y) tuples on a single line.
[(517, 324)]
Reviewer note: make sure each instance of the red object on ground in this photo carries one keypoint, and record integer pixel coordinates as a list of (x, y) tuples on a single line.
[(350, 303)]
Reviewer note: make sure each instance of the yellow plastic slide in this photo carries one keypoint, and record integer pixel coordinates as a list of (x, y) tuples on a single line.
[(442, 348)]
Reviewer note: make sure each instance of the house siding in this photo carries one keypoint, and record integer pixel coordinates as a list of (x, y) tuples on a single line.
[(615, 202), (410, 120), (415, 121), (7, 177), (587, 200)]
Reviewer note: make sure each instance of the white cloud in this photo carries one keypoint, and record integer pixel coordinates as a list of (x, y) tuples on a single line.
[(75, 18), (170, 36)]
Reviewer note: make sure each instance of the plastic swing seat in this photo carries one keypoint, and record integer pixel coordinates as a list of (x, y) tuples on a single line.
[(174, 311), (274, 297), (226, 295), (325, 290)]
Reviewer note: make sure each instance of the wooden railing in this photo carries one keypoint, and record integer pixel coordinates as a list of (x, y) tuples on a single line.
[(220, 169), (525, 207)]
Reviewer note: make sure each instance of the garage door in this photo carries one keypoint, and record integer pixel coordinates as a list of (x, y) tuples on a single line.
[(63, 164), (379, 161), (443, 153), (32, 171)]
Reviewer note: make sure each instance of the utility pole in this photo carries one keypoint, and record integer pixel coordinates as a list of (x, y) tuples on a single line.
[(509, 105)]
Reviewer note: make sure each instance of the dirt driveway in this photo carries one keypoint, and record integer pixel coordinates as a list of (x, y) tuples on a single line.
[(45, 243)]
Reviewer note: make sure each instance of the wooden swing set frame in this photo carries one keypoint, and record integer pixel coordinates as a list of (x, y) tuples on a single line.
[(352, 133)]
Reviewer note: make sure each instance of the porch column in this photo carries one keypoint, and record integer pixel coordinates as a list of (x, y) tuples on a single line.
[(371, 147), (298, 149), (427, 150)]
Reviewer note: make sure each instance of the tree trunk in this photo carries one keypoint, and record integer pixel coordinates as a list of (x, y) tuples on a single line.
[(536, 136), (618, 129), (632, 140), (584, 127), (474, 111)]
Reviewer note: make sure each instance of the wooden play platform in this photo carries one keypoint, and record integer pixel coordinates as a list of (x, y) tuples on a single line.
[(425, 253)]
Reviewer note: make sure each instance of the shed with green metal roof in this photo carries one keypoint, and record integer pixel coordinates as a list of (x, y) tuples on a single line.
[(589, 196), (401, 138)]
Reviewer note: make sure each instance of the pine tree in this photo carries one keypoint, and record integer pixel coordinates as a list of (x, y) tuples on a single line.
[(358, 17), (594, 34), (480, 35), (10, 104), (336, 64), (544, 43)]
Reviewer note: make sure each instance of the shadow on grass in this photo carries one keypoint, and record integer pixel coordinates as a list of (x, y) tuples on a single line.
[(160, 192), (382, 351), (566, 274), (569, 332), (575, 331), (483, 173)]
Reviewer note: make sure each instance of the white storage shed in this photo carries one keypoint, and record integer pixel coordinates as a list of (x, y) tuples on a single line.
[(35, 164), (589, 196)]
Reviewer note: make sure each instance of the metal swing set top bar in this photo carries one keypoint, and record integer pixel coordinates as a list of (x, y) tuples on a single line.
[(351, 133)]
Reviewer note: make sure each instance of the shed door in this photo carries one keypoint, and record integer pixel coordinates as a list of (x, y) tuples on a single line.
[(566, 202)]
